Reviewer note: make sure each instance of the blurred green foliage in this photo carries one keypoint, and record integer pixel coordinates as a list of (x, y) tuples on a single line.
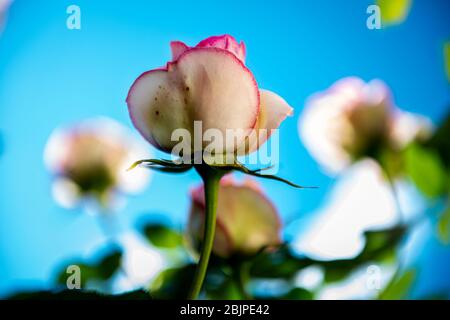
[(100, 270), (425, 163), (440, 141), (173, 283), (394, 11), (380, 246), (399, 287), (162, 236), (426, 170), (443, 226)]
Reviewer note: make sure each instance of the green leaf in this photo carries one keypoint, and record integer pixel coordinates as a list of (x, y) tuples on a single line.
[(440, 141), (220, 285), (280, 263), (173, 283), (298, 294), (162, 165), (380, 246), (394, 11), (109, 264), (87, 273), (399, 286), (443, 227), (101, 270), (257, 173), (162, 236), (426, 170)]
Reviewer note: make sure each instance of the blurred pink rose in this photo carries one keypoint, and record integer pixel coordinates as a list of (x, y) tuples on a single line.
[(90, 159), (208, 83), (352, 120), (246, 219)]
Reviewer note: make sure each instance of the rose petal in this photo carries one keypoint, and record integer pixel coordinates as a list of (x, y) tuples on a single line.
[(178, 48), (157, 107), (220, 91), (206, 84), (321, 126), (225, 42), (222, 242), (246, 220), (273, 111), (248, 217)]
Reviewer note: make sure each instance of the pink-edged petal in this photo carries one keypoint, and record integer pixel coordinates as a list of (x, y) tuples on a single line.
[(247, 221), (178, 48), (273, 111), (249, 218), (321, 126), (220, 91), (350, 87), (355, 93), (225, 42), (157, 107), (222, 241)]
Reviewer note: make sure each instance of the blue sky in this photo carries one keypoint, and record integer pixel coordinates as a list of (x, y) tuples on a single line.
[(50, 75)]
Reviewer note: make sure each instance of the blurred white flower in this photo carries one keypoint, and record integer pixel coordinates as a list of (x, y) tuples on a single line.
[(309, 278), (340, 124), (89, 160), (141, 263), (352, 120), (360, 201)]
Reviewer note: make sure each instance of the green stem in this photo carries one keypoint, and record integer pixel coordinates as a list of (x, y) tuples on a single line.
[(241, 275), (211, 180)]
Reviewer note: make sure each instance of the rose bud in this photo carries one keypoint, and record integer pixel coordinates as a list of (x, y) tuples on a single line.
[(246, 220), (208, 83), (90, 160)]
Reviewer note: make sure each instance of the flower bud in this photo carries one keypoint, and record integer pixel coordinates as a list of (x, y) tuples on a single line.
[(246, 220)]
